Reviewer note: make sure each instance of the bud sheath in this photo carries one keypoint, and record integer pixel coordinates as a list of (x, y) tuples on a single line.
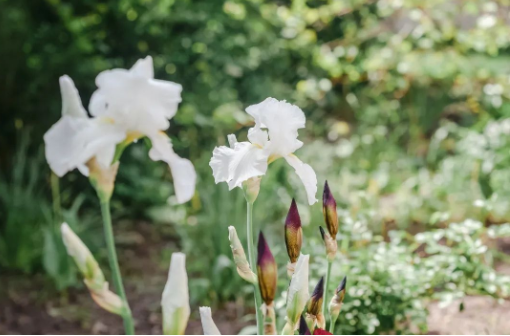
[(335, 305), (242, 264)]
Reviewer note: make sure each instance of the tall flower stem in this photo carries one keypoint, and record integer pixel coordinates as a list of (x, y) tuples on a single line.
[(253, 265), (114, 265), (332, 324), (326, 284)]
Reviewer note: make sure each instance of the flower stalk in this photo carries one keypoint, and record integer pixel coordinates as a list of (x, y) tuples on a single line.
[(251, 258), (336, 304)]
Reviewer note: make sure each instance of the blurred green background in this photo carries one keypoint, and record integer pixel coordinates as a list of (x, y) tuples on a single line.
[(408, 118)]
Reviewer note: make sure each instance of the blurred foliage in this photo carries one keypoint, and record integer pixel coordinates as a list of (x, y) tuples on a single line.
[(407, 106)]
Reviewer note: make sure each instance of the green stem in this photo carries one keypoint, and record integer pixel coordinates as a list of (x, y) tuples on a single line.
[(251, 257), (114, 265), (332, 325), (326, 284), (55, 193)]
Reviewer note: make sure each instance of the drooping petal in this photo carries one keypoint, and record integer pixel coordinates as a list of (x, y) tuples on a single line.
[(71, 142), (71, 101), (307, 176), (183, 172), (282, 121), (208, 325), (135, 99), (175, 300)]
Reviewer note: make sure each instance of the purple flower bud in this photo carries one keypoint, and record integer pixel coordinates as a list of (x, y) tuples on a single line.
[(293, 233), (267, 271), (329, 211), (303, 327), (315, 303)]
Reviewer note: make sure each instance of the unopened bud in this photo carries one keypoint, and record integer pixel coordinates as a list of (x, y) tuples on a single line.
[(242, 264), (251, 188), (297, 294), (293, 236), (89, 268), (329, 211), (102, 178), (313, 315), (335, 305), (329, 243), (208, 325), (303, 327), (266, 270), (175, 300)]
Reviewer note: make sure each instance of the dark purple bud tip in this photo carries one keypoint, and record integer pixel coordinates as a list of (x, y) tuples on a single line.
[(318, 292), (293, 220), (303, 327), (264, 253), (341, 287), (327, 196), (323, 233), (315, 302)]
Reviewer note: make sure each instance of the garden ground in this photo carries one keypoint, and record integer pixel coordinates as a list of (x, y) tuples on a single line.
[(31, 306)]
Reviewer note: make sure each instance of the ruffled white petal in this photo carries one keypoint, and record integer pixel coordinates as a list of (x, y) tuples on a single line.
[(175, 300), (247, 161), (133, 98), (143, 68), (183, 172), (257, 136), (282, 121), (307, 176), (220, 163), (71, 142), (208, 325), (71, 102)]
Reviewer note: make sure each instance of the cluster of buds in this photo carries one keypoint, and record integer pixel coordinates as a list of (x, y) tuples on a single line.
[(268, 276), (331, 220), (93, 276), (313, 320)]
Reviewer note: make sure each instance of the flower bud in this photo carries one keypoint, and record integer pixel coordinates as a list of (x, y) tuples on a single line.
[(313, 315), (335, 305), (303, 327), (266, 270), (321, 331), (89, 268), (329, 211), (175, 300), (315, 302), (251, 188), (293, 236), (208, 325), (102, 178), (242, 264), (297, 294), (329, 243)]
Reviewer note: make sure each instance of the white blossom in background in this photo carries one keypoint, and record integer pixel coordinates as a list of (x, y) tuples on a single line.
[(175, 299), (208, 325), (128, 105), (273, 136)]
